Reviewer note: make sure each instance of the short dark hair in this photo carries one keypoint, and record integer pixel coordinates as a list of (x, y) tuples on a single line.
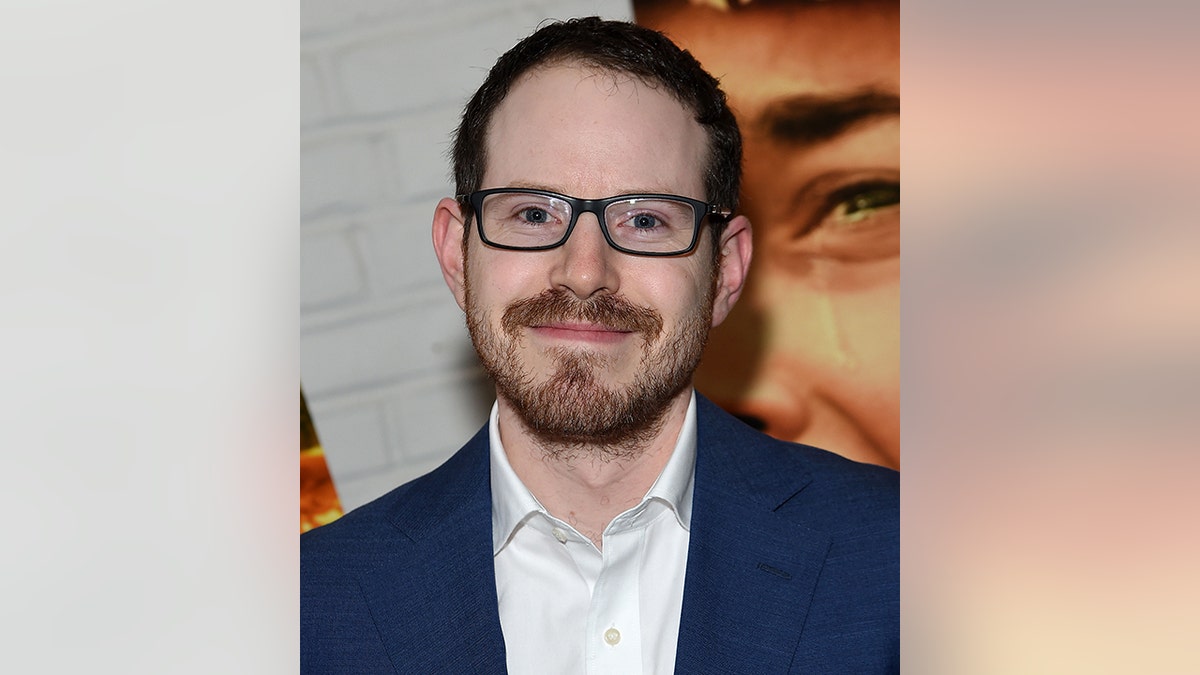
[(616, 46)]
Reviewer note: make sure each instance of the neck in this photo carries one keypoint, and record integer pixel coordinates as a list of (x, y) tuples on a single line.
[(589, 485)]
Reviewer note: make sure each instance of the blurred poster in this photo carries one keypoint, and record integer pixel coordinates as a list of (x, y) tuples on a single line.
[(318, 498), (811, 353)]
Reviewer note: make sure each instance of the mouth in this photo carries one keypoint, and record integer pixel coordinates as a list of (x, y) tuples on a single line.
[(580, 332)]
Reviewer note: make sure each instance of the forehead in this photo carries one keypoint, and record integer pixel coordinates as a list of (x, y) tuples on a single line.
[(766, 51), (592, 132)]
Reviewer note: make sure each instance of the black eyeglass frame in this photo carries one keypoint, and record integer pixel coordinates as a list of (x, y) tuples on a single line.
[(596, 207)]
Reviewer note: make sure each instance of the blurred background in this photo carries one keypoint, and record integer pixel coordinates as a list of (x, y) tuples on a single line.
[(1051, 325)]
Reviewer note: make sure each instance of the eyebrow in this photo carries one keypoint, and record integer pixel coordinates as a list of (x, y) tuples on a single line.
[(526, 185), (808, 119)]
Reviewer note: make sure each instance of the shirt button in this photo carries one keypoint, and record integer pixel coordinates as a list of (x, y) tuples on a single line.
[(612, 636), (560, 535)]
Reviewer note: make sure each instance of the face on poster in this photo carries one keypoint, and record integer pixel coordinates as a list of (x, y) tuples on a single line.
[(811, 352)]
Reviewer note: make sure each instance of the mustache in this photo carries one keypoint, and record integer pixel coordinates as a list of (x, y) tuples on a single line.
[(552, 306)]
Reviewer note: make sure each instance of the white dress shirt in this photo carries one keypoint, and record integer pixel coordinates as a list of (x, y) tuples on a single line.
[(568, 607)]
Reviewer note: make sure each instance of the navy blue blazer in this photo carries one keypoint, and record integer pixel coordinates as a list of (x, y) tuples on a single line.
[(793, 567)]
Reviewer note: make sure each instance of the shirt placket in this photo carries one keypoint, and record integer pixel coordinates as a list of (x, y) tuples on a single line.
[(613, 640)]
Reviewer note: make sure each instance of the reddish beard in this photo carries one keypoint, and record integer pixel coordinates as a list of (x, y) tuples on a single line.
[(572, 408)]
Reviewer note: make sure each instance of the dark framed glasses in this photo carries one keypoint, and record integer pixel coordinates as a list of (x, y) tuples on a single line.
[(639, 224)]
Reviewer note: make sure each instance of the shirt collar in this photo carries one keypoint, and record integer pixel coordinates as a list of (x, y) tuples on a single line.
[(513, 503)]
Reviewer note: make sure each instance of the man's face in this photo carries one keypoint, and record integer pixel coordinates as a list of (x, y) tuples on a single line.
[(586, 343), (812, 352)]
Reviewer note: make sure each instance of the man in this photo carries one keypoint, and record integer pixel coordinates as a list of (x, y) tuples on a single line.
[(606, 519), (811, 354)]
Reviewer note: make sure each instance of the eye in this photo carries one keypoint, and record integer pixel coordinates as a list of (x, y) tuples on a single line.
[(844, 216), (846, 208), (644, 221), (859, 202), (535, 215)]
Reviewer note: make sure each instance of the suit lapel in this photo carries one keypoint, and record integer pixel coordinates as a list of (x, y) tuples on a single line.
[(434, 603), (751, 571)]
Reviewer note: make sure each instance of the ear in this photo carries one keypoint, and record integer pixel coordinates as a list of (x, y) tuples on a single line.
[(448, 223), (736, 247)]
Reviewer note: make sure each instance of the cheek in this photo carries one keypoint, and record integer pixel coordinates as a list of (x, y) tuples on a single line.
[(497, 279), (871, 323), (697, 296), (655, 281), (852, 336)]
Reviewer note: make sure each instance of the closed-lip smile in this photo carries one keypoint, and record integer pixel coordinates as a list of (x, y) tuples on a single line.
[(580, 330)]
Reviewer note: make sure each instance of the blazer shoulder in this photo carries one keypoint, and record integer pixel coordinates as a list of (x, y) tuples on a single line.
[(409, 563), (410, 510), (837, 473), (793, 474)]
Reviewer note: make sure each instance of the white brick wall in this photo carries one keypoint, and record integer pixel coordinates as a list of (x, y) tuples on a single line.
[(391, 380)]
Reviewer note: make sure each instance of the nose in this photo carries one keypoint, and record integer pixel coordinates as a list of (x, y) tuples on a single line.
[(585, 263)]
